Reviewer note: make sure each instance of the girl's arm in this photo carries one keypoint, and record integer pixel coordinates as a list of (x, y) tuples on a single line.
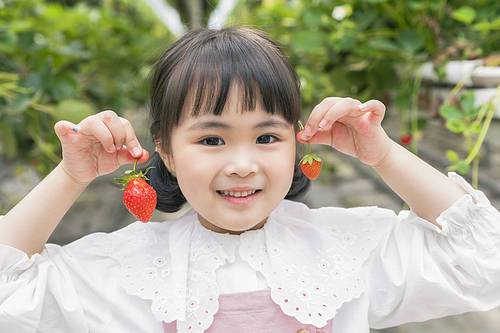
[(97, 146), (355, 129), (30, 223), (426, 190)]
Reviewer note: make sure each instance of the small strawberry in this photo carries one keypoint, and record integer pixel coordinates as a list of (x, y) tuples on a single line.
[(405, 139), (139, 197), (310, 164)]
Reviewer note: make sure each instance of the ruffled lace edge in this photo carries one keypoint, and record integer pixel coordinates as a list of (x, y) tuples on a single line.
[(354, 281)]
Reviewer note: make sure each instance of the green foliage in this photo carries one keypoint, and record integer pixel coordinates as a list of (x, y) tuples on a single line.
[(372, 49), (459, 119), (68, 62), (472, 122), (369, 48)]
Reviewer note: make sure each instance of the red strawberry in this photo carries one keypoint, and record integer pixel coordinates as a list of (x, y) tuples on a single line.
[(405, 139), (139, 197), (310, 164)]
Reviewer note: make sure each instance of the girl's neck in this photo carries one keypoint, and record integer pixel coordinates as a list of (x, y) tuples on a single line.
[(220, 230)]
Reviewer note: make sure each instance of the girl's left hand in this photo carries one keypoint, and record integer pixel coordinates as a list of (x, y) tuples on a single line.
[(350, 127)]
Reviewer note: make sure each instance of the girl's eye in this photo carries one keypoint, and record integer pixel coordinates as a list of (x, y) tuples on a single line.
[(267, 139), (216, 141), (212, 141)]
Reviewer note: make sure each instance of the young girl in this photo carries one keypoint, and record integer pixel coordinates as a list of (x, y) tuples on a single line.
[(245, 258)]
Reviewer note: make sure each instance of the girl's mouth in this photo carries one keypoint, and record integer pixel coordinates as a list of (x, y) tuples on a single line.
[(238, 200)]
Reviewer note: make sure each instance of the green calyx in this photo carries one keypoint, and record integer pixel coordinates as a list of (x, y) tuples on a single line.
[(124, 180), (308, 159)]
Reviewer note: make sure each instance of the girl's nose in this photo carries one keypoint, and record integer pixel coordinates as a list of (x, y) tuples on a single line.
[(242, 164)]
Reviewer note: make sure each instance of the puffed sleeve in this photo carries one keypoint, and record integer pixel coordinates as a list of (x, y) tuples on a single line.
[(54, 291), (419, 271)]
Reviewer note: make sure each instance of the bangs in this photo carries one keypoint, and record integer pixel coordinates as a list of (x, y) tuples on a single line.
[(202, 79)]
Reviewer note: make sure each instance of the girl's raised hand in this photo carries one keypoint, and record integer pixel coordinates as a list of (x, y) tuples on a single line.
[(350, 127), (97, 147)]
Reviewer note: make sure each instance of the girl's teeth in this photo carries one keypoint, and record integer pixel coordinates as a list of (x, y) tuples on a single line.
[(238, 194)]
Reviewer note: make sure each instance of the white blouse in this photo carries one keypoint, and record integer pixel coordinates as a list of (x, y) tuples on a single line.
[(364, 267)]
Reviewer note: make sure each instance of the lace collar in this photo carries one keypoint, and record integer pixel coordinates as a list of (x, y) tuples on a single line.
[(311, 259)]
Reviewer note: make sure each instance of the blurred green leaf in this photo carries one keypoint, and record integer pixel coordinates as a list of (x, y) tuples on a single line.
[(72, 110), (8, 40), (63, 86), (384, 45), (452, 156), (463, 167), (464, 14), (450, 112), (467, 101), (312, 19), (20, 103), (308, 40), (8, 142), (456, 126), (410, 40)]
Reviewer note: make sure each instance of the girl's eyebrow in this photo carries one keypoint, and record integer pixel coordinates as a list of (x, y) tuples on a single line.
[(217, 124)]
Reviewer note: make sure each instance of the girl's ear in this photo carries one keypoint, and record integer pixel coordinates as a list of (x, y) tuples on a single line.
[(166, 160)]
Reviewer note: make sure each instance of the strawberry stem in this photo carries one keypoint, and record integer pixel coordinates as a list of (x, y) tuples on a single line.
[(135, 163), (124, 180)]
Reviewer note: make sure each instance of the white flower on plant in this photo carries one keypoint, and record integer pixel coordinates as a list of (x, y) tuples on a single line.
[(339, 12)]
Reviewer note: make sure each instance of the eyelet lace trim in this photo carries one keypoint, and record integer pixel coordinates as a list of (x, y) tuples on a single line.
[(309, 279), (146, 271), (307, 284)]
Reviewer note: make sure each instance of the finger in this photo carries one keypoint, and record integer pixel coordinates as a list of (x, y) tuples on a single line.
[(376, 107), (317, 114), (125, 157), (93, 126), (131, 142), (339, 110), (324, 137), (111, 120), (63, 129)]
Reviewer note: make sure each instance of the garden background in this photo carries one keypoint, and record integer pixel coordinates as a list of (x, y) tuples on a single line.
[(434, 63)]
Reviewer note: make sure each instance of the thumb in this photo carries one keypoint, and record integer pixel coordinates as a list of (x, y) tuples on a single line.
[(376, 107), (63, 128)]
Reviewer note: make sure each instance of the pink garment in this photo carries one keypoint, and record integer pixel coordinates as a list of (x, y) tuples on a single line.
[(251, 312)]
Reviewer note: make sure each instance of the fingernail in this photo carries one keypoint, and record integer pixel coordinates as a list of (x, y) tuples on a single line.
[(322, 124), (75, 129), (137, 151), (307, 132), (112, 148)]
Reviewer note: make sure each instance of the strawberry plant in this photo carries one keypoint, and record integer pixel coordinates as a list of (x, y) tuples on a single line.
[(473, 123)]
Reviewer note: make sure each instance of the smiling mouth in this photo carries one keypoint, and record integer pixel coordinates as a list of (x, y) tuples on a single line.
[(238, 194)]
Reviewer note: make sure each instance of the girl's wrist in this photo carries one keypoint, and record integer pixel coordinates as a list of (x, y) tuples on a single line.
[(389, 151), (64, 173)]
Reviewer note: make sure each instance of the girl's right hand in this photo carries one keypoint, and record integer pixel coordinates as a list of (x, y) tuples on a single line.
[(97, 148)]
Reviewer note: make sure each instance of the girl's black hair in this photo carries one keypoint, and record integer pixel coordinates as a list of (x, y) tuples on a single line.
[(198, 70)]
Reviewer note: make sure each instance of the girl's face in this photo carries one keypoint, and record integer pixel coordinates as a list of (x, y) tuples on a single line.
[(240, 151)]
